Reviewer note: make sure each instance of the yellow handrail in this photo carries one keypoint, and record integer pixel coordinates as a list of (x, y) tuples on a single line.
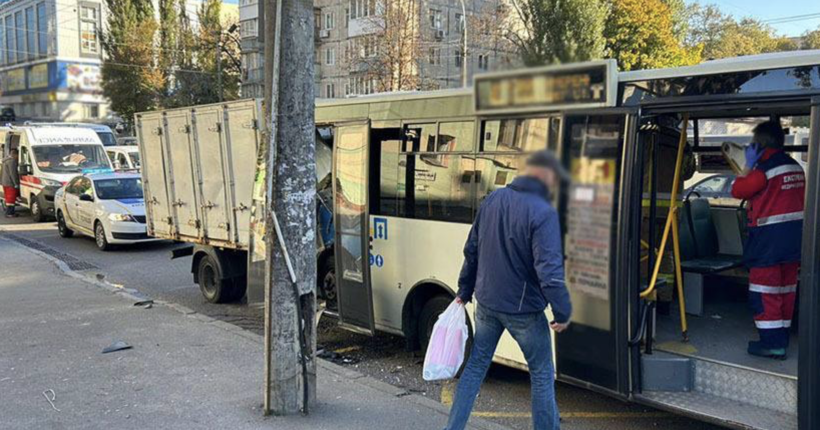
[(672, 224)]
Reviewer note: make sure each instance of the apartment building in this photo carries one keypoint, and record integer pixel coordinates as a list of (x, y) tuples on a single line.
[(351, 35), (50, 57), (251, 23)]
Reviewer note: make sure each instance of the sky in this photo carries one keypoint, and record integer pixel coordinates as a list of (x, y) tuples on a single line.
[(762, 10), (770, 9)]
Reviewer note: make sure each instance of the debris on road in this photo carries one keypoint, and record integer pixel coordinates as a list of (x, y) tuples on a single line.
[(51, 399), (116, 346), (147, 304)]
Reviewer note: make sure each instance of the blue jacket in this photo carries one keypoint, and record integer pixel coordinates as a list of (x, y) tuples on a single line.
[(513, 259)]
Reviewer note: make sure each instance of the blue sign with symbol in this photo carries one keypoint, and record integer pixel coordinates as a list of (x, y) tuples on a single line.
[(372, 259), (380, 228), (379, 261)]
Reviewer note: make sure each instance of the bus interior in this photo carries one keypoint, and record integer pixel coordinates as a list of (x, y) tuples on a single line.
[(712, 334)]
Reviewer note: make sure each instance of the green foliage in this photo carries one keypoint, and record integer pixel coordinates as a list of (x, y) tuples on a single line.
[(559, 31), (161, 62), (640, 35), (130, 78), (722, 36), (811, 40)]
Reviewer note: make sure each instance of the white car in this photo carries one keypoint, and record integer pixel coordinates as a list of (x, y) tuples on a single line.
[(106, 206), (124, 158)]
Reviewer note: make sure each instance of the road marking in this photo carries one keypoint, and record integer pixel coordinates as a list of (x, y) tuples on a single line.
[(583, 415), (348, 349), (447, 393)]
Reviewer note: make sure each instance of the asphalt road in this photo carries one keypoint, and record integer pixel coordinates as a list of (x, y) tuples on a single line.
[(504, 397)]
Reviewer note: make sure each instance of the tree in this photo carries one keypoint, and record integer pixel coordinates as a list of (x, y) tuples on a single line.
[(722, 36), (681, 14), (558, 31), (389, 56), (639, 34), (131, 78), (811, 40), (169, 25)]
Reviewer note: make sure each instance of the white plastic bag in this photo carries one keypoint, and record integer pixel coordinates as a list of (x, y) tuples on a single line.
[(445, 352)]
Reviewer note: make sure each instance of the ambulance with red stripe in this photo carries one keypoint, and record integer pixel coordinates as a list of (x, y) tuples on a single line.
[(49, 157)]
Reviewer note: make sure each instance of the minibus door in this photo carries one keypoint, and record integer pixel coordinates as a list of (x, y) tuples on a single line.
[(808, 368), (351, 222), (593, 351)]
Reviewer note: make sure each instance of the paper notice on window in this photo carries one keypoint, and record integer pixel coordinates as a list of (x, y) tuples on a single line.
[(589, 233)]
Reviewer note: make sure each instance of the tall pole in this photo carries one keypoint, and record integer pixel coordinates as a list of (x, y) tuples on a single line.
[(219, 66), (290, 269), (464, 45)]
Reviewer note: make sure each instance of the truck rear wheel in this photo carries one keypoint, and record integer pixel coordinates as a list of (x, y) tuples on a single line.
[(214, 287)]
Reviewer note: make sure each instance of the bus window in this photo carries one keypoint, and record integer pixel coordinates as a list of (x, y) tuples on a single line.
[(420, 138), (388, 178), (455, 137), (497, 171), (518, 135)]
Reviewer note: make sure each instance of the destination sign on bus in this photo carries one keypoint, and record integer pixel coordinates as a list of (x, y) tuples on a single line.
[(567, 86)]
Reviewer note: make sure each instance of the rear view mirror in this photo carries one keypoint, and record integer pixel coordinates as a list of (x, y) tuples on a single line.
[(86, 198), (25, 169)]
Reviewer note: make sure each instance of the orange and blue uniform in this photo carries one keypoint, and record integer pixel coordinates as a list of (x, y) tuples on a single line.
[(775, 190)]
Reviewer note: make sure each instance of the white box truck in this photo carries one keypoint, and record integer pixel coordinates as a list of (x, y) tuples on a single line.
[(198, 174)]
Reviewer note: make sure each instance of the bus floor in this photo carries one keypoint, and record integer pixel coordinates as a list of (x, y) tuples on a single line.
[(722, 332)]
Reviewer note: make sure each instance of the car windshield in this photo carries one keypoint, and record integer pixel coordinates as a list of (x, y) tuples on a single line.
[(107, 138), (119, 188), (135, 159), (70, 158)]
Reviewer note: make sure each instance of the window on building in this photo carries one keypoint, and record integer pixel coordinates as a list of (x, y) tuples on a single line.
[(483, 62), (2, 42), (31, 33), (92, 111), (248, 28), (361, 8), (434, 56), (330, 56), (347, 15), (9, 40), (435, 19), (460, 23), (330, 91), (459, 57), (89, 24), (330, 20), (20, 36), (42, 29)]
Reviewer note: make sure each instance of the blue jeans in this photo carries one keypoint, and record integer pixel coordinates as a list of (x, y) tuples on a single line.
[(531, 332)]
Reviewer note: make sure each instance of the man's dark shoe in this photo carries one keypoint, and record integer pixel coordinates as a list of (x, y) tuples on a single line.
[(755, 348)]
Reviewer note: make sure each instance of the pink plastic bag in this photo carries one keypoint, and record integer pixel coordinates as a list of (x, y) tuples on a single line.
[(445, 353)]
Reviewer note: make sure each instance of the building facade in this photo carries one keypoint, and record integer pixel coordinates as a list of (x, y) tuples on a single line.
[(352, 56), (50, 59), (251, 23)]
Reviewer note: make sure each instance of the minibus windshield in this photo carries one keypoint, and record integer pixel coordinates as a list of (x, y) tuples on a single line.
[(107, 138), (70, 158)]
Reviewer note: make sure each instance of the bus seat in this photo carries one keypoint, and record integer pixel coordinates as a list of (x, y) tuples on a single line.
[(700, 253)]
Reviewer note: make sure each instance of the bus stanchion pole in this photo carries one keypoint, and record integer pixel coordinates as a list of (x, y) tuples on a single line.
[(673, 216)]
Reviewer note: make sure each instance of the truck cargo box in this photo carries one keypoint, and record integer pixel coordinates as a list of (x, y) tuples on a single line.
[(198, 171)]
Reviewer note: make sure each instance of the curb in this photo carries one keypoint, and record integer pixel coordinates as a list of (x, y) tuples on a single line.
[(340, 371)]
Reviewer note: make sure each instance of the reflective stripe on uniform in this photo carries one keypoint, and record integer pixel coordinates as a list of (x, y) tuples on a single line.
[(775, 219), (786, 168), (773, 324), (765, 289)]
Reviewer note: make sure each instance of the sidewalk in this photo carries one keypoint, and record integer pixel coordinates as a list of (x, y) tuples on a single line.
[(185, 370)]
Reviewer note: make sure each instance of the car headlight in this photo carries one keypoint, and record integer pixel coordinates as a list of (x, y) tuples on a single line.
[(121, 217), (51, 182)]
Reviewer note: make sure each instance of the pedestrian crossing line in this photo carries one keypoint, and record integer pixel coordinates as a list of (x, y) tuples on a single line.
[(447, 393), (579, 415)]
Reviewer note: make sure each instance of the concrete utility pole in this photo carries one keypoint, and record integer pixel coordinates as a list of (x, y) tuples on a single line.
[(464, 45), (290, 272)]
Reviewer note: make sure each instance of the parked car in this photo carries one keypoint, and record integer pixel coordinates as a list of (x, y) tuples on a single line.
[(124, 158), (106, 206), (7, 115), (717, 186), (127, 141)]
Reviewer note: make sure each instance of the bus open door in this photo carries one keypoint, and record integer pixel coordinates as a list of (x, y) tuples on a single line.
[(592, 352), (350, 195)]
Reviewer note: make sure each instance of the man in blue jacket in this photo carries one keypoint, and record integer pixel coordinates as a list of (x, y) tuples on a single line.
[(514, 264)]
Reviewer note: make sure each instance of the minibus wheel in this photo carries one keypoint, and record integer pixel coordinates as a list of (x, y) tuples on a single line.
[(36, 210), (429, 315)]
